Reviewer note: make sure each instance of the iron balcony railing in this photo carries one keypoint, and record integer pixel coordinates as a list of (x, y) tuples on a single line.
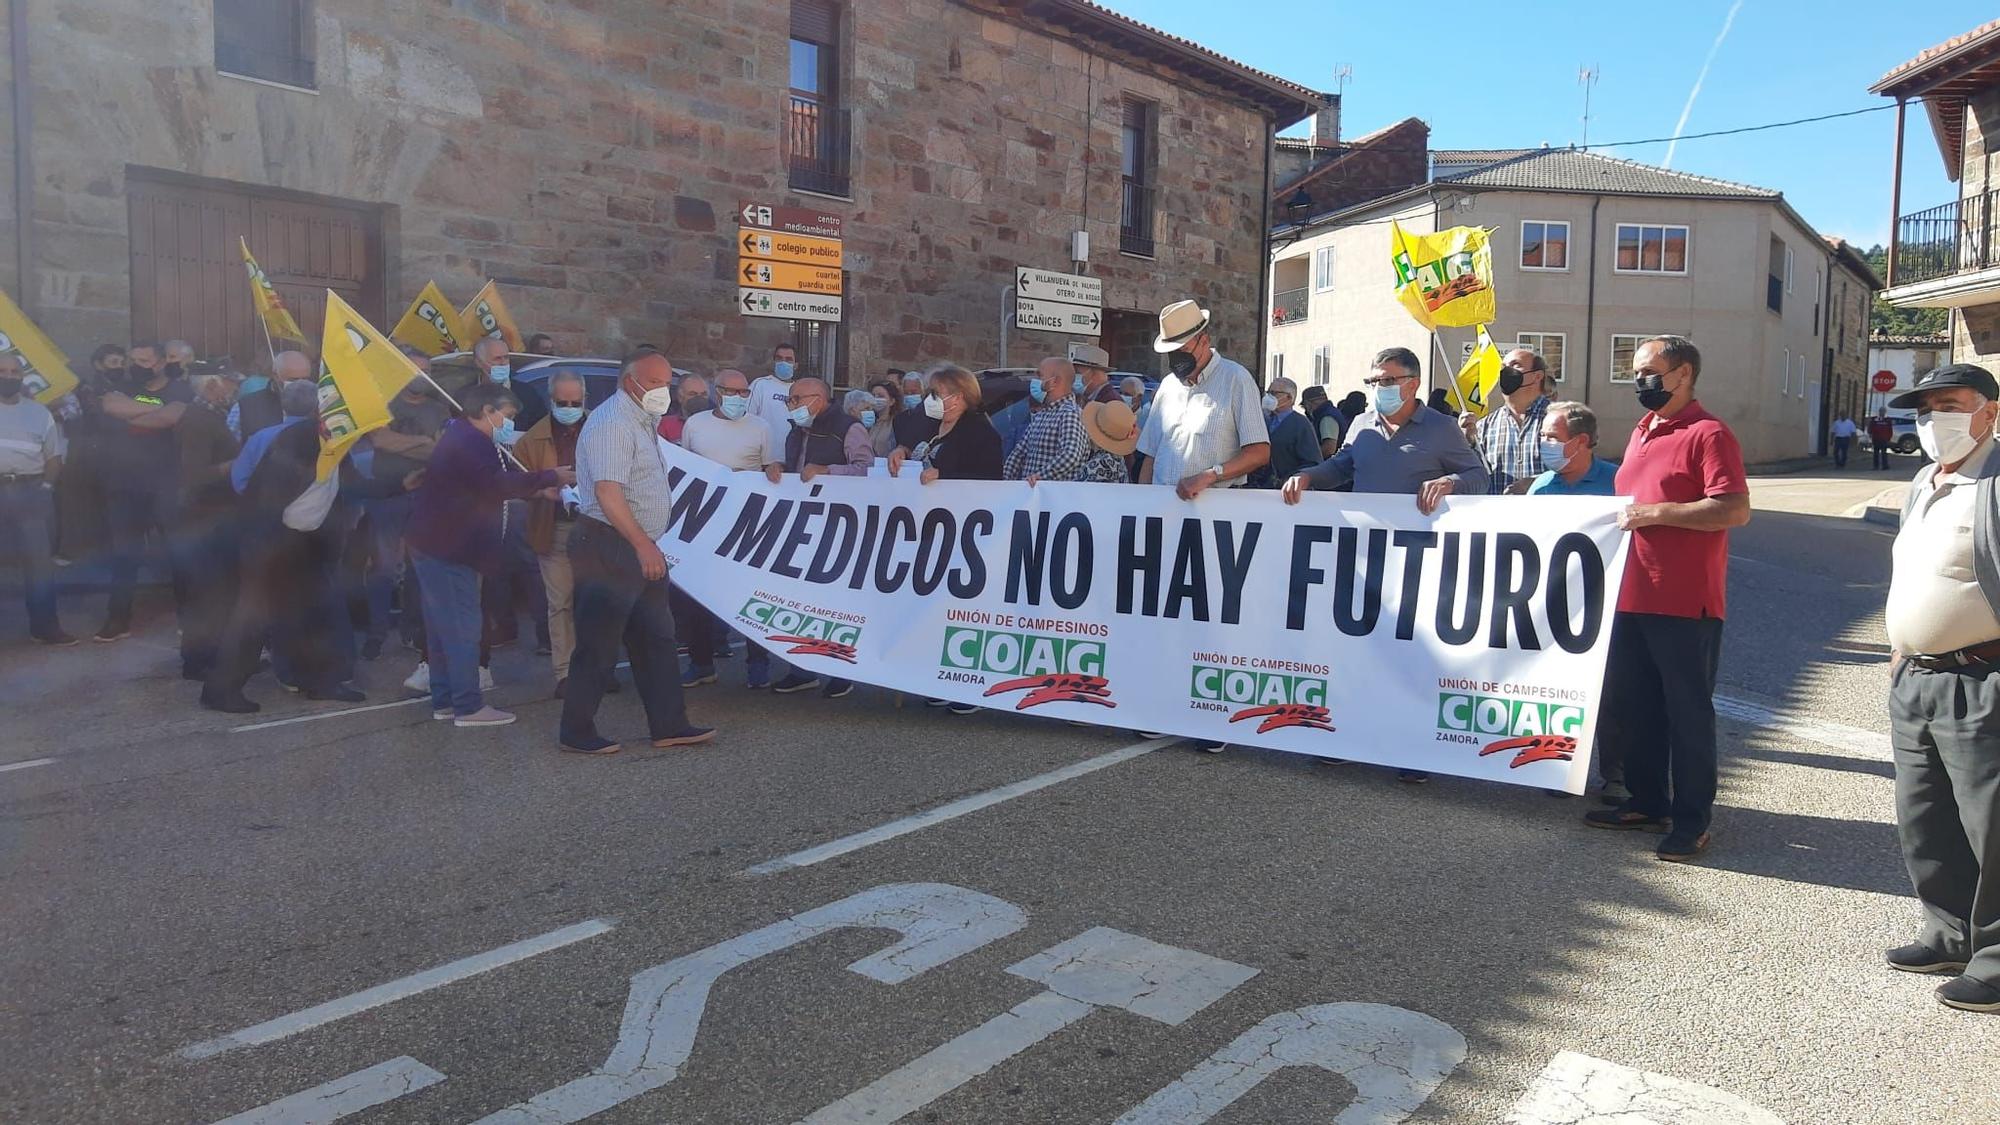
[(1290, 306), (816, 146), (1135, 219), (1955, 238)]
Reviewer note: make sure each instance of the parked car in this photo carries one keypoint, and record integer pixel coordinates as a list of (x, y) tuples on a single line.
[(1905, 429), (456, 372)]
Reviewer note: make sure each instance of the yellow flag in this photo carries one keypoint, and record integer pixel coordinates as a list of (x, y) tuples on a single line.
[(1445, 280), (45, 374), (1473, 388), (430, 326), (277, 318), (487, 315), (360, 372)]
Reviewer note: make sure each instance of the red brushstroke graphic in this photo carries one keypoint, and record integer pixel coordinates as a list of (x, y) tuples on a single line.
[(1067, 688), (1286, 715), (815, 646), (1534, 748)]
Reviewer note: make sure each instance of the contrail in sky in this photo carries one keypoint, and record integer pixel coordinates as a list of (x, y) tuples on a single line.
[(1699, 79)]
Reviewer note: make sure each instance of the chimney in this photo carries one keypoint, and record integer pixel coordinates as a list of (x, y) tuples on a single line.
[(1326, 124)]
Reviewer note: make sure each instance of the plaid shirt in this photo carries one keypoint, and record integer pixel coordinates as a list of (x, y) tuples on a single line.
[(1513, 450), (1054, 445)]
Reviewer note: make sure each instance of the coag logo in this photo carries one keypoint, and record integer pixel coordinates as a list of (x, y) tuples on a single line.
[(809, 635), (1049, 669), (1534, 731), (1275, 699)]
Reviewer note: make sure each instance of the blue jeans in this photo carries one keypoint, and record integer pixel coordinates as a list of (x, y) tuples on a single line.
[(25, 510), (452, 623), (389, 519)]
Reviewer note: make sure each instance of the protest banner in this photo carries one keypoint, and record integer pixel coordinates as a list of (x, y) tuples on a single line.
[(45, 373), (1445, 280), (362, 371), (430, 325), (486, 315), (1470, 642)]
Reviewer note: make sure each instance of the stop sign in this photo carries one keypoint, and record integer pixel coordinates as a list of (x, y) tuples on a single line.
[(1884, 381)]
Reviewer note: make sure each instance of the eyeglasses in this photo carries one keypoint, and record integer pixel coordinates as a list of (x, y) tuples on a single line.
[(797, 399), (1385, 380), (559, 402), (733, 392)]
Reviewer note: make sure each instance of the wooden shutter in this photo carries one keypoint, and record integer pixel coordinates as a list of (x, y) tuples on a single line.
[(816, 21)]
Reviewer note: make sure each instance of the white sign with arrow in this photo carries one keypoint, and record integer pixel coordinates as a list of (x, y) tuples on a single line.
[(1053, 316), (1058, 302), (787, 306)]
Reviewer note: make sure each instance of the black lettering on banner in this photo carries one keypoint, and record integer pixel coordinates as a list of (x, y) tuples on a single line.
[(1304, 574), (1345, 560), (934, 549), (1517, 596), (1144, 564), (1027, 554), (1235, 566), (1190, 578), (864, 553), (801, 534), (1583, 549), (1458, 633), (1413, 544), (689, 512), (890, 579), (978, 525), (1069, 582), (836, 543), (751, 539)]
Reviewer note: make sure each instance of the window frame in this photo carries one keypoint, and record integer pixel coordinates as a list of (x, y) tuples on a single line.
[(1687, 248), (1785, 374), (1132, 239), (1277, 367), (1637, 338), (1788, 269), (1520, 259), (1562, 355), (1322, 364), (305, 50), (1322, 254)]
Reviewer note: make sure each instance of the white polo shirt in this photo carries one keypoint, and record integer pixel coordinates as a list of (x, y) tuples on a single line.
[(1935, 603), (744, 443)]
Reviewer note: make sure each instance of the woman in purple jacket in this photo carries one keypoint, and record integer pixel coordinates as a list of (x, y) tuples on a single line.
[(455, 529)]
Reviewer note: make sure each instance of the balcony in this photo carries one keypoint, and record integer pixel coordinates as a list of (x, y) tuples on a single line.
[(1290, 306), (816, 147), (1135, 220), (1946, 257)]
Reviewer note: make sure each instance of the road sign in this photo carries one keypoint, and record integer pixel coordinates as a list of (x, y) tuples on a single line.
[(1069, 288), (1884, 381), (777, 246), (790, 220), (788, 276), (787, 306), (1054, 316)]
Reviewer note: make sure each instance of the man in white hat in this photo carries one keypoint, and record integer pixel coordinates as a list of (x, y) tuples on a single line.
[(1093, 371), (1206, 429)]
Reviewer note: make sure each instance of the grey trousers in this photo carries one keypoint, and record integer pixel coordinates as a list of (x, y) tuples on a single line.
[(1945, 734)]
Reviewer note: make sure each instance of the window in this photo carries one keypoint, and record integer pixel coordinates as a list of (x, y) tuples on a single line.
[(1778, 279), (1624, 349), (1323, 269), (270, 40), (816, 150), (1651, 248), (1819, 287), (1548, 345), (1785, 373), (1277, 368), (1135, 213), (1788, 271), (1322, 364), (1544, 245)]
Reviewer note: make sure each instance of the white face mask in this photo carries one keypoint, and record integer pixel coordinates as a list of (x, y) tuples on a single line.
[(658, 401), (934, 407), (1270, 404), (1946, 438)]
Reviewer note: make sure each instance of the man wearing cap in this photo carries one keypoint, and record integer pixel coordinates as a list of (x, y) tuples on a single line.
[(1329, 425), (1943, 621), (1052, 445), (1206, 429), (1114, 433), (1093, 371)]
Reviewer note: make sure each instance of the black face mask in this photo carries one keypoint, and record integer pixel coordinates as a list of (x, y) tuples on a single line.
[(1511, 380), (1652, 395), (693, 405), (171, 370), (9, 387), (1182, 364)]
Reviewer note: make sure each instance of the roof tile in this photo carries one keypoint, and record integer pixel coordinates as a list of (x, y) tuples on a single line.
[(1563, 169)]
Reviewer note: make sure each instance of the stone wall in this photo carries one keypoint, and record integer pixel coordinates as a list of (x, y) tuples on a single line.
[(590, 158), (1975, 332)]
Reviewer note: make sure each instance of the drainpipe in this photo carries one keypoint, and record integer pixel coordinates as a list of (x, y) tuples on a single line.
[(24, 168), (1262, 356), (1590, 306), (1827, 390)]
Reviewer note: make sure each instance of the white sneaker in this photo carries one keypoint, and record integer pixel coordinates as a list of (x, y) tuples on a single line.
[(484, 717), (420, 680), (486, 679), (441, 712)]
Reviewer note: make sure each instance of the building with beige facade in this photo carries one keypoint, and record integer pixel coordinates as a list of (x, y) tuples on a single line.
[(1591, 254)]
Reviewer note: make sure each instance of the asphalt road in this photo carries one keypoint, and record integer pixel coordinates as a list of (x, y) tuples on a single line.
[(201, 922)]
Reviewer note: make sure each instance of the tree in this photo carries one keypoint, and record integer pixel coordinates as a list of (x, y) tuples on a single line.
[(1886, 319)]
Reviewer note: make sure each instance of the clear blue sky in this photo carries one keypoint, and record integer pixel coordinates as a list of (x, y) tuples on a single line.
[(1509, 79)]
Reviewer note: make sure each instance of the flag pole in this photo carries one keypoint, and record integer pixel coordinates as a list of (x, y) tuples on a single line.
[(269, 347), (446, 395)]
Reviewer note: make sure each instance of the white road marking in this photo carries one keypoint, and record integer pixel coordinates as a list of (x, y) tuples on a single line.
[(272, 1030), (1576, 1089), (663, 1010), (1100, 967), (364, 1089), (835, 848), (29, 764), (318, 715), (1866, 743), (1393, 1057)]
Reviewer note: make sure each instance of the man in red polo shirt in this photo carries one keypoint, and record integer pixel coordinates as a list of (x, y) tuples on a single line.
[(1684, 473)]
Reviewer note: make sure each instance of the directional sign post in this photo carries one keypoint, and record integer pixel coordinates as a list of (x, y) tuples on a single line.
[(788, 263), (787, 306), (1067, 303)]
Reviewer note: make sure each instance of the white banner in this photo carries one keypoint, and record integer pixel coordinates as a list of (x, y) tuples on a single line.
[(1470, 642)]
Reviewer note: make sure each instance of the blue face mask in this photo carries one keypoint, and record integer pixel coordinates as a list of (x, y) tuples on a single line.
[(911, 402), (567, 415), (1036, 391), (735, 406), (1553, 458), (1389, 399), (254, 384), (505, 434), (800, 416), (783, 369), (868, 417), (501, 372)]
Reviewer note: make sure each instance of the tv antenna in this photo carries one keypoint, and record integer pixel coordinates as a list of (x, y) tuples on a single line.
[(1586, 77), (1342, 75)]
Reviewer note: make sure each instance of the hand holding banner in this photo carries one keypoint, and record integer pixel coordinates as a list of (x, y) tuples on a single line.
[(430, 325), (486, 315), (45, 373), (360, 372)]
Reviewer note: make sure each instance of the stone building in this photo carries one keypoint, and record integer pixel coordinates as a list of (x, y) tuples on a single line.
[(592, 157)]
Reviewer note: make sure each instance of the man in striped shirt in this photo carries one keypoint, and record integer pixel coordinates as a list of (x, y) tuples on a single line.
[(1509, 437)]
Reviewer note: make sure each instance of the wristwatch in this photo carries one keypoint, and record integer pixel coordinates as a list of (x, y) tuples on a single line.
[(1220, 475)]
